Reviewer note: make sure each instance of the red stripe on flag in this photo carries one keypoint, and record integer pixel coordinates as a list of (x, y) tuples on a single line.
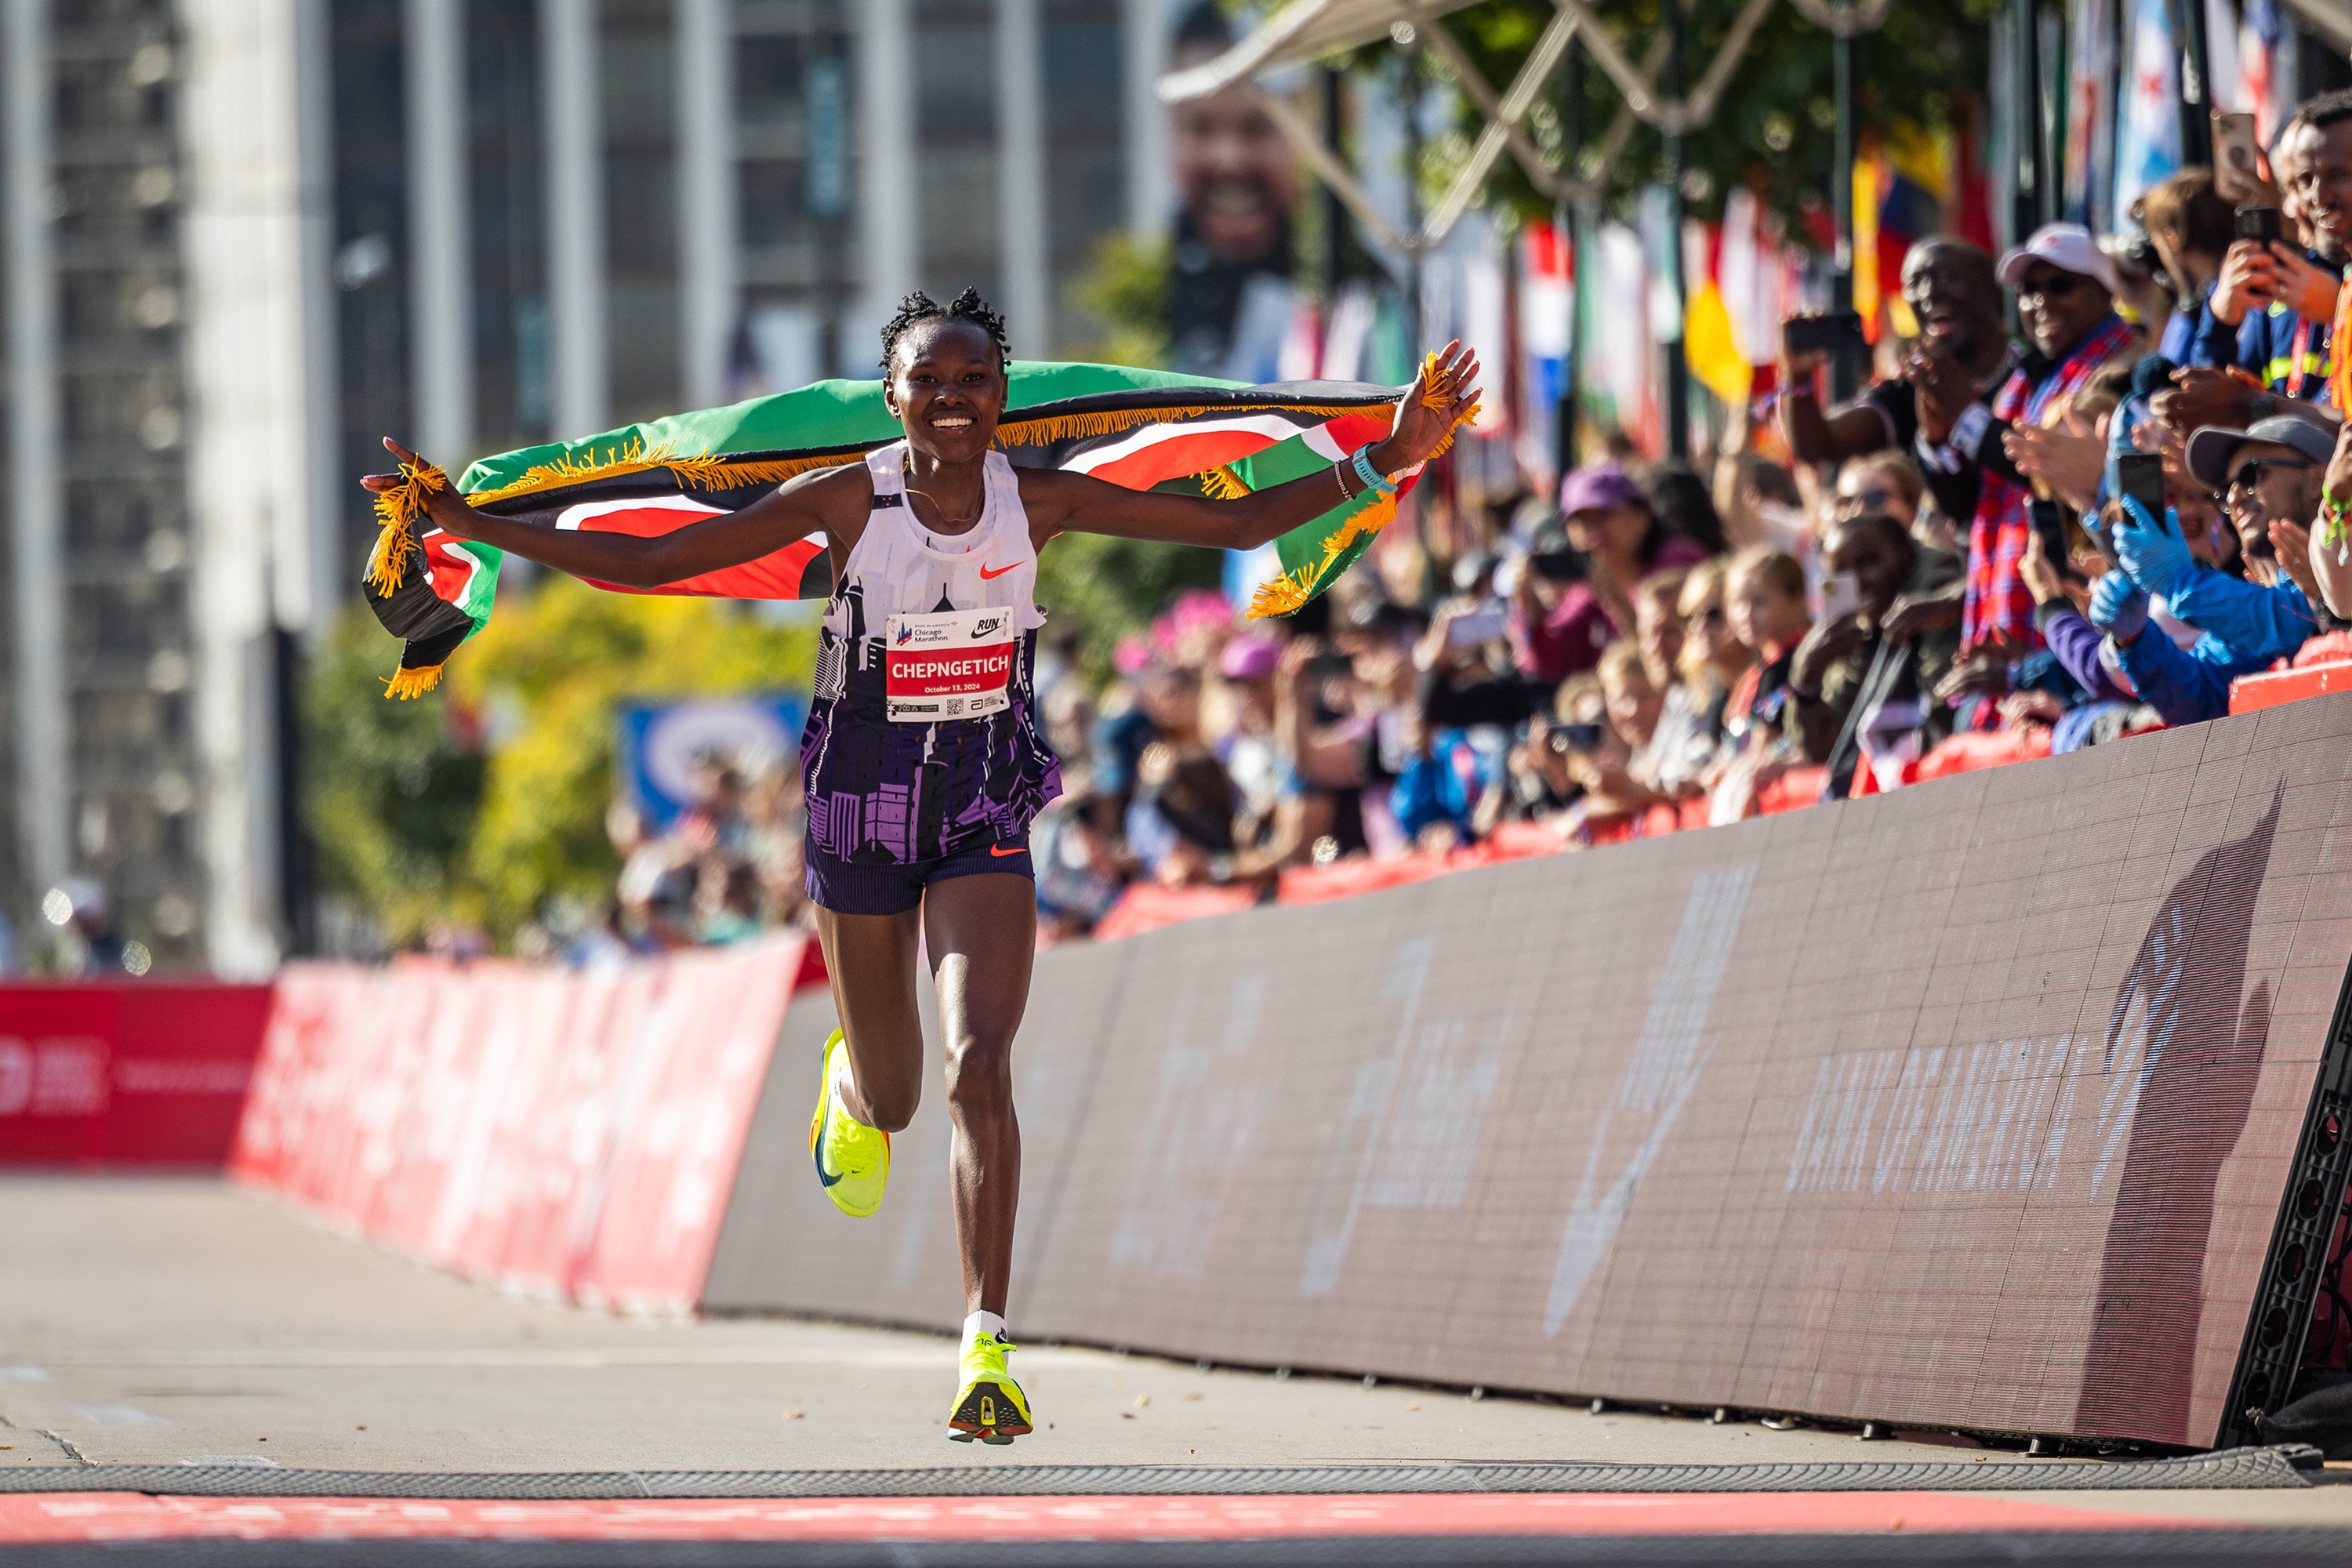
[(775, 575), (1179, 452), (450, 570)]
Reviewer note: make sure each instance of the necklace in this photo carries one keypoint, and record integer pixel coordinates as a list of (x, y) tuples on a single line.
[(908, 468)]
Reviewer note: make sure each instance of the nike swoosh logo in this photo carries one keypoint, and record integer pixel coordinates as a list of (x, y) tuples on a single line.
[(988, 576), (1000, 851), (824, 1179)]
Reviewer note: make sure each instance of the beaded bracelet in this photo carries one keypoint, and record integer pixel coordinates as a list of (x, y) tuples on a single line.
[(1373, 479), (2335, 525)]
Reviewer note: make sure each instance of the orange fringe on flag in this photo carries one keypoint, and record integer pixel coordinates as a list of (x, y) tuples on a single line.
[(1222, 483), (1014, 430), (396, 510), (1286, 593), (405, 684)]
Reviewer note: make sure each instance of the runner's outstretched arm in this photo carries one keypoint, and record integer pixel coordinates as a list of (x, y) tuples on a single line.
[(1079, 503), (831, 500)]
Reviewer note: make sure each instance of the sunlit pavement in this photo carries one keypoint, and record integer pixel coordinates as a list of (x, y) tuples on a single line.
[(190, 1322)]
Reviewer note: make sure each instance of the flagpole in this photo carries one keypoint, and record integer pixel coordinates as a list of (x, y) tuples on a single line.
[(1841, 366), (1677, 388), (1335, 215), (1570, 234), (2025, 122), (2196, 81)]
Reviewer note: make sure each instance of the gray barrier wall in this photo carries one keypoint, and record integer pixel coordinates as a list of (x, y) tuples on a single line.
[(1972, 1105)]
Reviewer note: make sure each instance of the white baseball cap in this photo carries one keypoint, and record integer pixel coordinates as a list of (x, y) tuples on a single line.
[(2065, 246)]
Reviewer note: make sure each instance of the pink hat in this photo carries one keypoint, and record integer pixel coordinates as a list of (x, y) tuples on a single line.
[(1249, 658), (1597, 487), (2068, 246)]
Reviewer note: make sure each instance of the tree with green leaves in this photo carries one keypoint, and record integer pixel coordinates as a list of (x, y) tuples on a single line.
[(482, 803)]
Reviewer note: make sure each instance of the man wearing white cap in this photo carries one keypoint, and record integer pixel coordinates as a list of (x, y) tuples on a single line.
[(2065, 302)]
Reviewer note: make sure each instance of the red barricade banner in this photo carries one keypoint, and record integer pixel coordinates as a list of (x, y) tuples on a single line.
[(1347, 879), (125, 1074), (2272, 688), (556, 1131), (1145, 906)]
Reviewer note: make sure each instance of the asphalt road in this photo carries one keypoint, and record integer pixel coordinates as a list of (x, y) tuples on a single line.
[(168, 1321)]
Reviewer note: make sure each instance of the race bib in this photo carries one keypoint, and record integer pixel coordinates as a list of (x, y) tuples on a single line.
[(951, 664)]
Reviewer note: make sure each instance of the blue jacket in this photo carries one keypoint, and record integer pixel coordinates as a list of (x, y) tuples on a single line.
[(2254, 622), (2182, 329), (2264, 343), (2186, 686)]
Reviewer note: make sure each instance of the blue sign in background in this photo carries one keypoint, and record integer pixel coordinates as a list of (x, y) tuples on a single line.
[(662, 743)]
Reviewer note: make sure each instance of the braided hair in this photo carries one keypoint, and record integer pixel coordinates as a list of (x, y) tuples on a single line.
[(968, 306)]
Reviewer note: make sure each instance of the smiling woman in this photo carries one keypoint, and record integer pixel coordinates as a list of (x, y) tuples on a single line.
[(922, 757)]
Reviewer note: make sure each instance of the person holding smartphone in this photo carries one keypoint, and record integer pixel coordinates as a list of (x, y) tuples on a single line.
[(1575, 596), (1857, 685), (1962, 356), (2192, 229), (2242, 626), (2066, 300), (2274, 303)]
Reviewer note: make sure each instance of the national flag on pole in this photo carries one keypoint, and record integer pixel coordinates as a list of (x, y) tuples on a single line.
[(1135, 428), (2225, 83), (1869, 289), (2259, 83), (1546, 296), (2090, 108), (1710, 338), (2148, 132)]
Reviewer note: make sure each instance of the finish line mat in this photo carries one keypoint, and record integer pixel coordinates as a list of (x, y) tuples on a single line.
[(2010, 1102), (117, 1519), (2235, 1469)]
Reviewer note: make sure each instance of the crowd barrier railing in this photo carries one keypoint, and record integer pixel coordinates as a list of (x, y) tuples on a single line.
[(558, 1132), (1994, 1103), (140, 1073)]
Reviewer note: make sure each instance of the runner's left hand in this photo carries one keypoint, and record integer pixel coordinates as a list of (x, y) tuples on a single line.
[(1451, 385)]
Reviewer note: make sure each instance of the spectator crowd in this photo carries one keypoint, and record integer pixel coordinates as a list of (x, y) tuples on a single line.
[(1940, 572)]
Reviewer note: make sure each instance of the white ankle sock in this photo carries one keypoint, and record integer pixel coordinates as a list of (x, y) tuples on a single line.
[(982, 1325), (842, 1079)]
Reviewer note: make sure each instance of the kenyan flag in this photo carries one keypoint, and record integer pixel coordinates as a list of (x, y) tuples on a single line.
[(1137, 429)]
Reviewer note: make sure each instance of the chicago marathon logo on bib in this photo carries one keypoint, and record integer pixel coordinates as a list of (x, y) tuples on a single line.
[(950, 664)]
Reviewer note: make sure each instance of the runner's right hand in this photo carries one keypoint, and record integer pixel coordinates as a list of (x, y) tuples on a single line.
[(444, 506)]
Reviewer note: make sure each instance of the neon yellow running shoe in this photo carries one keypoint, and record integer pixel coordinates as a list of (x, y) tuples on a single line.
[(989, 1405), (853, 1160)]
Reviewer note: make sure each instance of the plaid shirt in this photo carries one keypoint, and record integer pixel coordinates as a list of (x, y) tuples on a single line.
[(1999, 603)]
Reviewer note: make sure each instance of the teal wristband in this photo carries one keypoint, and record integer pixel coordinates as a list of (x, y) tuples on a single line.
[(1373, 479)]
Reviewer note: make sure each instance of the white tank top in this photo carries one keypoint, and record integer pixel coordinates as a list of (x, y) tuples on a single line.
[(898, 567)]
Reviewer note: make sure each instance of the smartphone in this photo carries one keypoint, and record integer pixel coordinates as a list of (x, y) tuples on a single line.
[(1557, 565), (1477, 627), (2050, 523), (1839, 331), (2140, 476), (1575, 737), (1841, 596), (1328, 666), (2258, 224), (2238, 161)]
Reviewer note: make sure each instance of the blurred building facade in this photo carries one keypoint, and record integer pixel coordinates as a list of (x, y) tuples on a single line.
[(244, 239)]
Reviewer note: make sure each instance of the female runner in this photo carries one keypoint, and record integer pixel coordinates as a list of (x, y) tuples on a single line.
[(923, 760)]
